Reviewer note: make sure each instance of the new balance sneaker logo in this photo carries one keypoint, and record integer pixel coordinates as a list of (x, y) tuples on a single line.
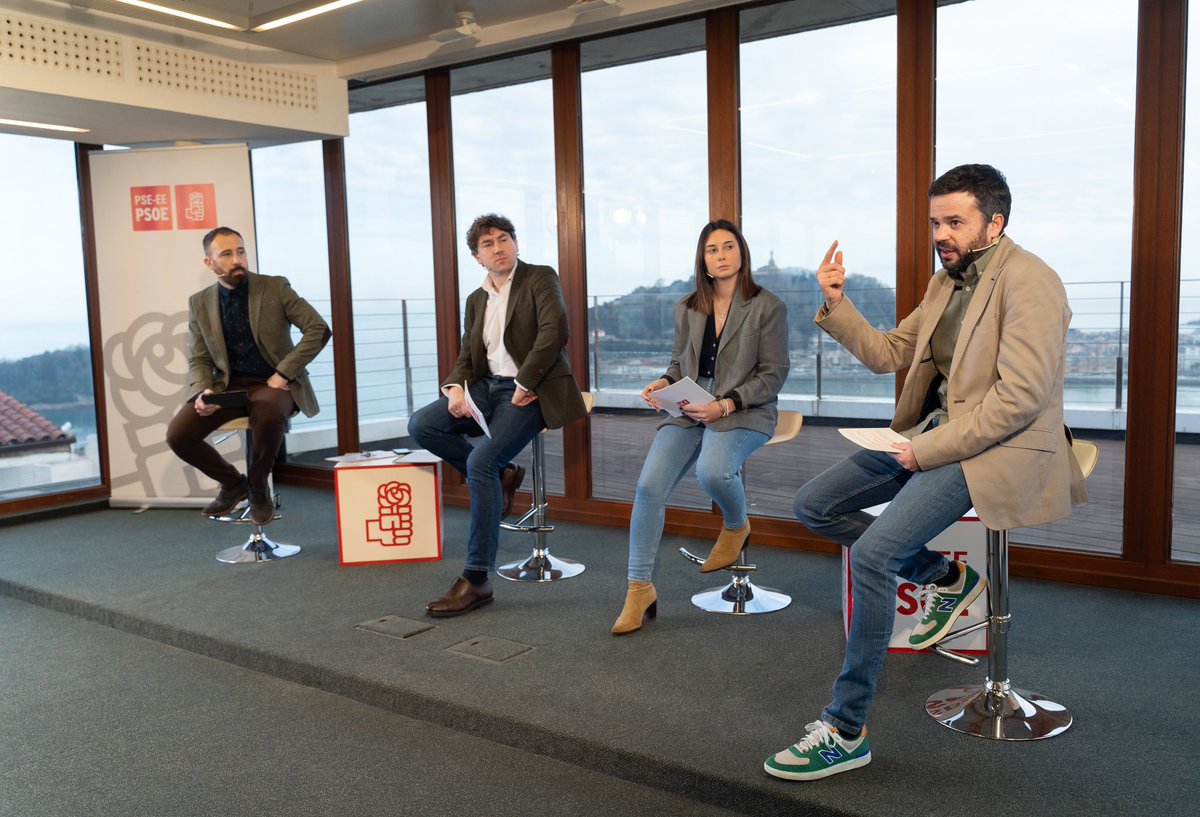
[(831, 756)]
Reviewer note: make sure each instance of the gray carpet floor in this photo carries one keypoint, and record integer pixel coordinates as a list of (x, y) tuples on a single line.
[(530, 692)]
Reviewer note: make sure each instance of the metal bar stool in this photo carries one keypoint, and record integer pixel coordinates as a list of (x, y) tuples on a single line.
[(740, 597), (541, 566), (259, 547), (997, 710)]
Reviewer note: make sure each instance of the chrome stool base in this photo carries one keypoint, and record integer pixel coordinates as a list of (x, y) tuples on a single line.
[(740, 597), (998, 714), (258, 548), (996, 710), (541, 566)]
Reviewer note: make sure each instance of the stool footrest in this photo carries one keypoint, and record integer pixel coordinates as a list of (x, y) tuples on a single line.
[(735, 568), (519, 528), (951, 655)]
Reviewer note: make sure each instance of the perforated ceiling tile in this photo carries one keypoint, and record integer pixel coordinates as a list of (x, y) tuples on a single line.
[(183, 70), (32, 42)]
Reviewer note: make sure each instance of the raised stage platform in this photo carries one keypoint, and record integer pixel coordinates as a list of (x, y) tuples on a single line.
[(528, 706)]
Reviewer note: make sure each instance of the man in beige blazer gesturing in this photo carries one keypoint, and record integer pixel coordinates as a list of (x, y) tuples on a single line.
[(982, 408), (513, 363), (240, 346)]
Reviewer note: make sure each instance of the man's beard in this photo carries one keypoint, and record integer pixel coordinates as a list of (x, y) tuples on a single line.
[(968, 256)]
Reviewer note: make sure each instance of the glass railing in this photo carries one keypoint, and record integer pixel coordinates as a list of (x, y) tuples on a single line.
[(629, 344)]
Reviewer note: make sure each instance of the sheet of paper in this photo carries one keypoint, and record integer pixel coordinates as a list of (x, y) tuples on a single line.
[(677, 395), (418, 457), (372, 458), (359, 457), (475, 412), (876, 439)]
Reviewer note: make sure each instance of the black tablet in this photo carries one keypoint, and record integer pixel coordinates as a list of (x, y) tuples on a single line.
[(227, 399)]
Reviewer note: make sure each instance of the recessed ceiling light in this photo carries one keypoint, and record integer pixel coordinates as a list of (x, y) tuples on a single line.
[(41, 125), (304, 15), (209, 21)]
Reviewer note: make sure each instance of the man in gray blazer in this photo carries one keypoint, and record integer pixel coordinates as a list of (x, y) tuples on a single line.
[(512, 362), (982, 411), (240, 345)]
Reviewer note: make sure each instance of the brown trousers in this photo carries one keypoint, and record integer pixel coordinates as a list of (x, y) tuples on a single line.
[(269, 411)]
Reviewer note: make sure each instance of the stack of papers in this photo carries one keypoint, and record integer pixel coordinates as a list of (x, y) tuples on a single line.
[(677, 395), (875, 439)]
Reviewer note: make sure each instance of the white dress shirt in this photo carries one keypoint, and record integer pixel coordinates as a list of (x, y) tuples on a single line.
[(500, 362)]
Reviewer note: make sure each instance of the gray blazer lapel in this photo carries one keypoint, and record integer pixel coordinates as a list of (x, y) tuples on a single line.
[(739, 308), (696, 323)]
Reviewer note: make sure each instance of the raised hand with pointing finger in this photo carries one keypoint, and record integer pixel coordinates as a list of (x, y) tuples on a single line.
[(831, 275)]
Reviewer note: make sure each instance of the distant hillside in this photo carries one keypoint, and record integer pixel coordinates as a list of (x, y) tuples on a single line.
[(61, 377), (644, 316)]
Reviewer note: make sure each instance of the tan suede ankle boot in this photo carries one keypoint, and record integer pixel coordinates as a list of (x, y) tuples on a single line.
[(725, 551), (641, 602)]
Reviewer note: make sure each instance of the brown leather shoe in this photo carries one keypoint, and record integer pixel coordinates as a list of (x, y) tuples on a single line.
[(510, 481), (262, 508), (462, 597), (227, 498)]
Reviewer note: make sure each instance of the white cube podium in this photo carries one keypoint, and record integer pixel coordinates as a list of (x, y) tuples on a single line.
[(388, 510), (965, 541)]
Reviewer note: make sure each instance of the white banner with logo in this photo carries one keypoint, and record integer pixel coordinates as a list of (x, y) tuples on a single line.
[(965, 541), (152, 207)]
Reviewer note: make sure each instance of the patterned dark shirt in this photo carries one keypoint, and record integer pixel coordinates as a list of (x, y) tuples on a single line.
[(708, 348), (245, 360)]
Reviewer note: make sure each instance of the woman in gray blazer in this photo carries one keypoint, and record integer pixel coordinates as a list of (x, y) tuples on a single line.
[(731, 338)]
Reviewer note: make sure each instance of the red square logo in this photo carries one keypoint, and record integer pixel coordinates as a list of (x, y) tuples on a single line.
[(196, 206), (151, 207)]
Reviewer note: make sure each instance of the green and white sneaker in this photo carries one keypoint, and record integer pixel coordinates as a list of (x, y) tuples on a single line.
[(943, 606), (822, 752)]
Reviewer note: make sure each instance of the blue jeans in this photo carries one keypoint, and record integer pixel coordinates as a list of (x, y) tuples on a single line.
[(512, 428), (718, 456), (922, 505)]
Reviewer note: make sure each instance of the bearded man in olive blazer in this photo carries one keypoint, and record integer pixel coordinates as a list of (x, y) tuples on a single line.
[(513, 362), (240, 340), (982, 411)]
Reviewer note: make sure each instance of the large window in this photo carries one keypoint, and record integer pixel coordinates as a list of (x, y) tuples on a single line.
[(391, 262), (646, 198), (1056, 116), (289, 214), (504, 157), (1185, 523), (818, 165), (48, 439), (503, 122)]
